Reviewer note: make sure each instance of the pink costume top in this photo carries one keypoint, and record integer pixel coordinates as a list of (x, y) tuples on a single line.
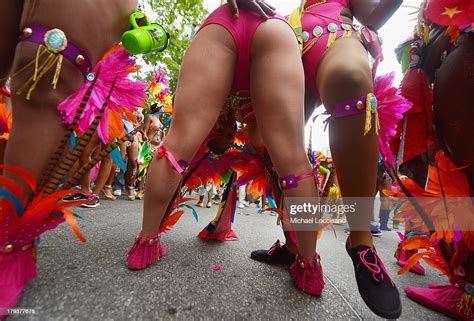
[(322, 25), (242, 31)]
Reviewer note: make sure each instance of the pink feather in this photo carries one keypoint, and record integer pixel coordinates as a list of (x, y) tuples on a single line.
[(128, 94), (391, 106)]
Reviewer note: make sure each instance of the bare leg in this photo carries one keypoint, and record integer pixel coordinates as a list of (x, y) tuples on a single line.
[(103, 175), (202, 91), (38, 128), (131, 172), (85, 157), (338, 81), (277, 68), (256, 144), (107, 190)]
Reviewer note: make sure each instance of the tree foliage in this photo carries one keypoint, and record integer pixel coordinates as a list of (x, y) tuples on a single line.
[(179, 18)]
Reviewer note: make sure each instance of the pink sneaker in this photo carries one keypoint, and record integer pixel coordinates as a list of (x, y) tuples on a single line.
[(145, 252), (403, 256), (308, 277), (455, 301)]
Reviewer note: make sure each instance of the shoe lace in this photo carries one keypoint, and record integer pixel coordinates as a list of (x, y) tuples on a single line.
[(274, 247), (377, 268)]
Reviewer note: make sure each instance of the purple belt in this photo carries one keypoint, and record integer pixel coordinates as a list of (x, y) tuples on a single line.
[(355, 106), (55, 41)]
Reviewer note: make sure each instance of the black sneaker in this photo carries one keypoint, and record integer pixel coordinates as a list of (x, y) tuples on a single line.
[(94, 201), (375, 285), (278, 254), (76, 197)]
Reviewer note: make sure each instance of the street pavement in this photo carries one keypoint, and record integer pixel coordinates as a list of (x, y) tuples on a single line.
[(91, 281)]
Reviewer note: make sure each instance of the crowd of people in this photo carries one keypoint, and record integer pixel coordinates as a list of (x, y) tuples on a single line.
[(233, 131)]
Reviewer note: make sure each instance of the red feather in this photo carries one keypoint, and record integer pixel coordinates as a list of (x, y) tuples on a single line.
[(171, 221)]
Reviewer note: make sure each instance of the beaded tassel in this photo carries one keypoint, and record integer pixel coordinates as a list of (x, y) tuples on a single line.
[(466, 303), (347, 33), (331, 39), (371, 108), (54, 59)]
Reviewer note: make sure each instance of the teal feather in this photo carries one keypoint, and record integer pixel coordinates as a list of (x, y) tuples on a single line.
[(117, 158), (195, 214)]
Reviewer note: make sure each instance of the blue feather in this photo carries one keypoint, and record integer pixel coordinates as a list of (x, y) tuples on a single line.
[(244, 149), (271, 201), (168, 122), (117, 158), (4, 193), (73, 140)]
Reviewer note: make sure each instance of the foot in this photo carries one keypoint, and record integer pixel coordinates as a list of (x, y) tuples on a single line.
[(385, 228), (374, 230), (140, 195), (403, 256), (107, 192), (145, 252), (131, 193), (117, 192), (93, 201), (76, 197), (375, 285), (447, 299), (208, 205), (278, 254), (308, 276), (240, 205)]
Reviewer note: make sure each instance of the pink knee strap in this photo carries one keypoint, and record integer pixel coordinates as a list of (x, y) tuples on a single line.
[(291, 181), (180, 166)]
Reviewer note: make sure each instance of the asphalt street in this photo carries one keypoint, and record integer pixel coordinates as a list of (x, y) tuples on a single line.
[(91, 281)]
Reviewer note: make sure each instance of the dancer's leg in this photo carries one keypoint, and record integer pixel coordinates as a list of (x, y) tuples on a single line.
[(131, 173), (204, 84), (344, 73), (37, 126), (277, 68), (85, 157), (107, 190), (104, 171)]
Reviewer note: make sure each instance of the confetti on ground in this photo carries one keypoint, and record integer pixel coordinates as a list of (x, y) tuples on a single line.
[(217, 267)]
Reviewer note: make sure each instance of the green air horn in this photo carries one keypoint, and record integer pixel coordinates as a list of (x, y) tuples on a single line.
[(144, 39)]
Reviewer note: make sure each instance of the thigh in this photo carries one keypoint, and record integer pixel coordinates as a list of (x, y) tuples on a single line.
[(108, 22), (277, 89), (204, 84)]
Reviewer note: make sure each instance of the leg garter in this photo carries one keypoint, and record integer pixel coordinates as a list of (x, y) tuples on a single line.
[(180, 166), (291, 181), (364, 104)]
